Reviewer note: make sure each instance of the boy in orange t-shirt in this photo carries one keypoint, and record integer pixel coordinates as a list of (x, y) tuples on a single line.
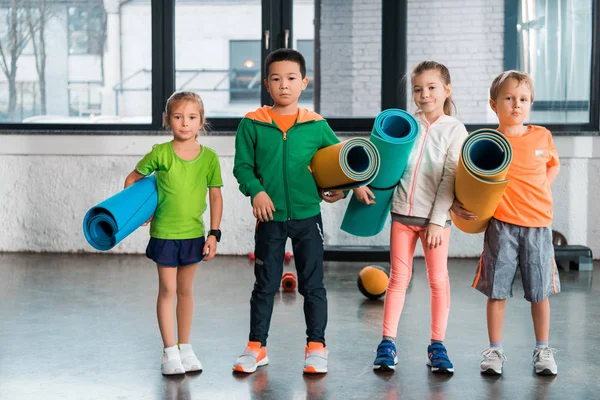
[(519, 235)]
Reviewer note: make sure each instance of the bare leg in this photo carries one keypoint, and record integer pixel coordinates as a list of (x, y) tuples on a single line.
[(495, 319), (167, 289), (540, 312), (185, 301)]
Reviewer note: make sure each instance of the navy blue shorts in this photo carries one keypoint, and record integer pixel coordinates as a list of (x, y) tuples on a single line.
[(175, 253)]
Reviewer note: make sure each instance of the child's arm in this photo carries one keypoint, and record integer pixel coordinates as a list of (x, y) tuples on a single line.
[(216, 213), (244, 165), (553, 166), (132, 178), (552, 173)]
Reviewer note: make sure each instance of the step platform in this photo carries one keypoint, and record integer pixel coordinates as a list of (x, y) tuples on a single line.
[(574, 257), (569, 256)]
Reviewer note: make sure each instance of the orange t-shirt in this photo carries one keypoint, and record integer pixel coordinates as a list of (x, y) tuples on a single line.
[(283, 122), (527, 200)]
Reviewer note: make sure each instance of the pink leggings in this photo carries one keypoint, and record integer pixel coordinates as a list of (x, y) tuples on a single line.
[(403, 241)]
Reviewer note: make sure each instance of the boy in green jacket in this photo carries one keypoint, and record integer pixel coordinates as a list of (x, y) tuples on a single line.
[(273, 149)]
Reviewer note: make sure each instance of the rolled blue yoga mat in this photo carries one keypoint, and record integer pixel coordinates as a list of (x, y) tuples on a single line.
[(114, 219), (394, 134)]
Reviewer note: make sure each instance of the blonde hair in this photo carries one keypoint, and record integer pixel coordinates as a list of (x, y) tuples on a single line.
[(444, 74), (177, 98), (500, 80)]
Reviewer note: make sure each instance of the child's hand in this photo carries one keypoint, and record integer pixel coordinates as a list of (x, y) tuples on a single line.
[(263, 207), (364, 195), (210, 248), (331, 196), (150, 220), (458, 209), (433, 236)]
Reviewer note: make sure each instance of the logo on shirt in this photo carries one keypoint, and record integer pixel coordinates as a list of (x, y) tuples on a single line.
[(539, 153)]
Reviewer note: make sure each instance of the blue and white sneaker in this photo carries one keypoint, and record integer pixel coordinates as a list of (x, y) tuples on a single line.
[(437, 359), (386, 359)]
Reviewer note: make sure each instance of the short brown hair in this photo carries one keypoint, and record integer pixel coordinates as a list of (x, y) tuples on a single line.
[(500, 80)]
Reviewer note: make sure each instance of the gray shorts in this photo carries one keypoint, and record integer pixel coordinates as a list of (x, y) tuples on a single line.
[(506, 247)]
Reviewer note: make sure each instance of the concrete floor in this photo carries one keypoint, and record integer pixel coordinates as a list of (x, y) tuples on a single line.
[(84, 327)]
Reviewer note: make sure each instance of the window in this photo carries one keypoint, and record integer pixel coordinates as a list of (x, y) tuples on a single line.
[(85, 99), (86, 30), (118, 61), (218, 54), (244, 70), (83, 68), (307, 48), (350, 63), (554, 45)]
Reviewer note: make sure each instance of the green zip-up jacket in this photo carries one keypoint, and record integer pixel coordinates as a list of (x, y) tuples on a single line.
[(268, 160)]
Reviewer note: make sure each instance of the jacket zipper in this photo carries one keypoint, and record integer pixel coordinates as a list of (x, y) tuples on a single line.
[(285, 173)]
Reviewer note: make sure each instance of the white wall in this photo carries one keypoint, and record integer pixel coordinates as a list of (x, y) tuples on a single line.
[(47, 183)]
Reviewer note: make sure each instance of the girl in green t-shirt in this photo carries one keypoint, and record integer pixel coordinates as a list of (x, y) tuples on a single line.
[(185, 173)]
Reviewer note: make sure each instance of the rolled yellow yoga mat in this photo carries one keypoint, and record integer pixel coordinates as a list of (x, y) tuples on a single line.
[(481, 177), (345, 165)]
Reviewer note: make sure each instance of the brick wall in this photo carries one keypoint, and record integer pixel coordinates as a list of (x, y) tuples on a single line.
[(455, 33)]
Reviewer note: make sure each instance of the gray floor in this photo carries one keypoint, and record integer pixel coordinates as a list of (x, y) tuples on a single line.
[(84, 327)]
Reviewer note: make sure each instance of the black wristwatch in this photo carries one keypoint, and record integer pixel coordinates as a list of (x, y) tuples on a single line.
[(216, 233)]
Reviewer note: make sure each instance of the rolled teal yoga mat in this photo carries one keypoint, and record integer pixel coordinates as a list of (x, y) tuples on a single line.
[(393, 134), (114, 219)]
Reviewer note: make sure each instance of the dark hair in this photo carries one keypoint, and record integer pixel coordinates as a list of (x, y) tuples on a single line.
[(286, 55), (178, 97), (445, 75)]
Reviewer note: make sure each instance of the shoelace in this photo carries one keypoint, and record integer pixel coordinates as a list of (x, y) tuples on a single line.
[(493, 354), (437, 354), (545, 353)]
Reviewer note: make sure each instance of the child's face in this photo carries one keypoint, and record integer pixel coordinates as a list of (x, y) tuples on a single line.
[(513, 104), (185, 120), (430, 92), (285, 83)]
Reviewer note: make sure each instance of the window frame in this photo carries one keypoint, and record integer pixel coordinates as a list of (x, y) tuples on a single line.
[(277, 14), (510, 62)]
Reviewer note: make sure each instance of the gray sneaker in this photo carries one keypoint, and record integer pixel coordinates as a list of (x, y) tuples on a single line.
[(543, 361), (493, 359)]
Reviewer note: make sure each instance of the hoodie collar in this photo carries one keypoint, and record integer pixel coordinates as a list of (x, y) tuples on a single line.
[(262, 115)]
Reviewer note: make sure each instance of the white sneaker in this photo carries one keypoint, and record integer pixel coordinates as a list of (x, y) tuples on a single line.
[(543, 361), (171, 361), (188, 358), (493, 359), (315, 358)]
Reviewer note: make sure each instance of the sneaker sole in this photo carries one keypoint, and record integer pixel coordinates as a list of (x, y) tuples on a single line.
[(193, 368), (490, 371), (176, 371), (442, 370), (439, 370), (384, 367), (313, 370), (239, 368), (546, 372)]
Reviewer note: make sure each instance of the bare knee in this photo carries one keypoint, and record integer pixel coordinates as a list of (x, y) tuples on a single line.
[(185, 291), (167, 291)]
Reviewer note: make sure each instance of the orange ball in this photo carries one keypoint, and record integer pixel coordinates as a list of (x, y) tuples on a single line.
[(373, 281)]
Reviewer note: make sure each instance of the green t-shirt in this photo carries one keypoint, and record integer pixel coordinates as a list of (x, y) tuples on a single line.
[(182, 187)]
